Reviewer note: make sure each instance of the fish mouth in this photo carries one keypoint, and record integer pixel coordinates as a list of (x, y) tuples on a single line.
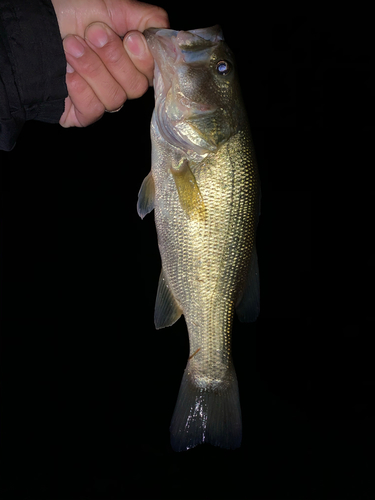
[(171, 48), (180, 119), (171, 40)]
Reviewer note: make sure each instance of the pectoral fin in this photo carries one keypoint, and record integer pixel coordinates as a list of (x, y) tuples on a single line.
[(146, 196), (249, 305), (188, 191), (167, 311)]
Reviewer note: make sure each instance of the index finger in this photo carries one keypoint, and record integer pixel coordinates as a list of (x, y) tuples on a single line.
[(136, 46), (133, 15)]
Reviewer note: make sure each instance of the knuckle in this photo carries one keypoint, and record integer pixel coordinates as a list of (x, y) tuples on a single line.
[(118, 97), (87, 65), (137, 87), (90, 108), (159, 16), (83, 96), (91, 67), (113, 53), (96, 108), (75, 83)]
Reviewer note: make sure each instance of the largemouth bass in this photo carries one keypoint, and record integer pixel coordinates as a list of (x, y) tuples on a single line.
[(204, 188)]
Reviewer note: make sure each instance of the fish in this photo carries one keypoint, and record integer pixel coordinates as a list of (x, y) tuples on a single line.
[(204, 189)]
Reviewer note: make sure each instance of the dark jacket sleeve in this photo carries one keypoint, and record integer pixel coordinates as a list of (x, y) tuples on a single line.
[(32, 67)]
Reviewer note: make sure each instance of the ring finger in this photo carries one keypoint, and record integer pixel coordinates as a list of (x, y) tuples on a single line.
[(82, 107)]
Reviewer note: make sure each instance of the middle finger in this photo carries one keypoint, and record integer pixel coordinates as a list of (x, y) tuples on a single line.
[(109, 47), (89, 65)]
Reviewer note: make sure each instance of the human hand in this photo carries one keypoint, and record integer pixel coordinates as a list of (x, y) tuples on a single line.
[(103, 71)]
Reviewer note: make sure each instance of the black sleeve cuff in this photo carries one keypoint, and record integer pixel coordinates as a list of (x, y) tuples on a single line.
[(32, 67)]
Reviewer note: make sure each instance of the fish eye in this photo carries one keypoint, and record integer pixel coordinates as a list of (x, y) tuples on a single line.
[(223, 67)]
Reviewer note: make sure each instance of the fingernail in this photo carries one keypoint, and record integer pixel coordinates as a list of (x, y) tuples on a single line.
[(135, 44), (69, 69), (74, 47), (97, 35)]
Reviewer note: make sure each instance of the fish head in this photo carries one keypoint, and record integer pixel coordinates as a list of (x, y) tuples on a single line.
[(197, 95)]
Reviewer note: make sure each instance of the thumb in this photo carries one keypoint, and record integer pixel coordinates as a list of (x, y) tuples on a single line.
[(127, 15)]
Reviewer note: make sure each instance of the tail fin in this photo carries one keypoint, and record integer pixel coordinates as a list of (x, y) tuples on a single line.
[(207, 415)]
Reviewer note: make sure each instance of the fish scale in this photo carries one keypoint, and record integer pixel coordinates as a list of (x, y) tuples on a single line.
[(204, 188)]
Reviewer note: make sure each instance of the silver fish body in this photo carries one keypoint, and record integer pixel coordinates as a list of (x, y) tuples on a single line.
[(204, 188)]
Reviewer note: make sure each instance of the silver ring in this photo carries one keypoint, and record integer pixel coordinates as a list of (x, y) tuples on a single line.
[(115, 110)]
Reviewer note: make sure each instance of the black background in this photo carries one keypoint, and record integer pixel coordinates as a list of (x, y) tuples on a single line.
[(89, 386)]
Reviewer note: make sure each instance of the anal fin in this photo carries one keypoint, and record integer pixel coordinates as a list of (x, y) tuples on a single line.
[(167, 310), (248, 307)]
